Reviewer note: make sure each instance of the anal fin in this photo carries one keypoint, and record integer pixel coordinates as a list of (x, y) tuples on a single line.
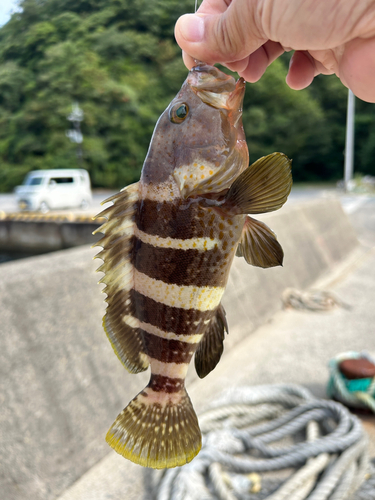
[(211, 346), (259, 245)]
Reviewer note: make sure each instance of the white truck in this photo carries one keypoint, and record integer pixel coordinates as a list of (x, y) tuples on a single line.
[(44, 190)]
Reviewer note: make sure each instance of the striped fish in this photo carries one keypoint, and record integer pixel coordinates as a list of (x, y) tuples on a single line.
[(168, 245)]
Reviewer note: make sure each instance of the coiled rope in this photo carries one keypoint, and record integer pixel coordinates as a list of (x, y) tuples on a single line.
[(338, 386), (274, 442), (312, 300)]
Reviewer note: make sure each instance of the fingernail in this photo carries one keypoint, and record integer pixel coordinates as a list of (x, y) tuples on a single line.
[(191, 27)]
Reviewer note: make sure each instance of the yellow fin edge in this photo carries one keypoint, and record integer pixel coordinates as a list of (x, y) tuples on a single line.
[(160, 435)]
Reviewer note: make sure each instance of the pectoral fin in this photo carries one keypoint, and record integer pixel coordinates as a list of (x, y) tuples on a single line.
[(259, 246), (211, 346), (263, 187)]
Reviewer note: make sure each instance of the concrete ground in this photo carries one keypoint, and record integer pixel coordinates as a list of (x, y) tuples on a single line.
[(61, 385), (292, 347)]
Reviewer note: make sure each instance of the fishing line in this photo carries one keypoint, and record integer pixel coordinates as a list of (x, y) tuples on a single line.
[(197, 63)]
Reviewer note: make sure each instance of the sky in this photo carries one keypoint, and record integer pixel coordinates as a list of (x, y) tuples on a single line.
[(6, 7)]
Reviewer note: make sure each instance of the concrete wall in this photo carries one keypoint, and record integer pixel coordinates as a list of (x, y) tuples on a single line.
[(44, 235), (61, 386), (315, 236)]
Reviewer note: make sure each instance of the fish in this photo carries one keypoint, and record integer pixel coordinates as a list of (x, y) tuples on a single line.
[(167, 247)]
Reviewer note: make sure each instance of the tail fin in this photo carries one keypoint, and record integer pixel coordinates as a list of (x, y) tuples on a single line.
[(157, 430)]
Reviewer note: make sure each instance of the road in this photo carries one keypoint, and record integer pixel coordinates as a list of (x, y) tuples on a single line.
[(8, 202), (300, 193)]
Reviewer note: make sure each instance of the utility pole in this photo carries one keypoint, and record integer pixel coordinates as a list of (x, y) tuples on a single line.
[(75, 135), (349, 143)]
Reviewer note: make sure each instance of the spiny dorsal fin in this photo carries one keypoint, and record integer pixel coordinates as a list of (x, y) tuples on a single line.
[(119, 323), (259, 245), (211, 346), (263, 187)]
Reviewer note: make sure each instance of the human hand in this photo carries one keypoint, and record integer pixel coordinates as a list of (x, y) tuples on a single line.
[(328, 37)]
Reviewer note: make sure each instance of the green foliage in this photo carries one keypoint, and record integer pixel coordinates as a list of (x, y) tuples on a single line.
[(280, 119), (115, 58), (119, 61)]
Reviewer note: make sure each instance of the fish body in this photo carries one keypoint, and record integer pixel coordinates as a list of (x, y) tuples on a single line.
[(168, 246)]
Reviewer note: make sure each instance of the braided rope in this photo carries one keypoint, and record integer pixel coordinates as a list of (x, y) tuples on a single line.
[(315, 449)]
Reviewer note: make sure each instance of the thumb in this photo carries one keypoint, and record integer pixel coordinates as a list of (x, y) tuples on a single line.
[(225, 37)]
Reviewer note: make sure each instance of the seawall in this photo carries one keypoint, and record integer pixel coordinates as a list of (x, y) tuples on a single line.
[(22, 232), (61, 384)]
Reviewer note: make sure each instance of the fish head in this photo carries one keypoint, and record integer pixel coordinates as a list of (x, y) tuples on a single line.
[(199, 139)]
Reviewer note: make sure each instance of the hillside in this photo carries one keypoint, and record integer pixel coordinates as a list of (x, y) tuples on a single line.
[(118, 60)]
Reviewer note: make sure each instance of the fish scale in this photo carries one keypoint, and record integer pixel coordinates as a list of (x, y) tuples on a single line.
[(197, 275), (168, 245)]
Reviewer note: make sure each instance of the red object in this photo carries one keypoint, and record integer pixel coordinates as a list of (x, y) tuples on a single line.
[(357, 368)]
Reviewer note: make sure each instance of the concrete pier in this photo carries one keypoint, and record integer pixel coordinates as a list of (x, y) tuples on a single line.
[(34, 232), (62, 386)]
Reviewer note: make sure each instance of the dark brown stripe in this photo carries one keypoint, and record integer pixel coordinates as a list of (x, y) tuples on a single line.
[(167, 350), (170, 319), (120, 252), (177, 219), (117, 306), (182, 267), (160, 383)]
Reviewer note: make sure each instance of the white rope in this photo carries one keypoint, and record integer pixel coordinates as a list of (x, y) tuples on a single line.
[(312, 300), (315, 448)]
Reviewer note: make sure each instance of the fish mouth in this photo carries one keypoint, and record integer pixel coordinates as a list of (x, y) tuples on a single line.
[(217, 89), (220, 91)]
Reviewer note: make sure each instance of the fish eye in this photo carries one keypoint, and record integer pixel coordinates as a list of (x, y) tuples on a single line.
[(178, 113)]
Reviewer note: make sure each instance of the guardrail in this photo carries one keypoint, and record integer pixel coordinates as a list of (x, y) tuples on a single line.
[(49, 217)]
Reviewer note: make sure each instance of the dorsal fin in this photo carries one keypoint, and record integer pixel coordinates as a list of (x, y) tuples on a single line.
[(119, 322)]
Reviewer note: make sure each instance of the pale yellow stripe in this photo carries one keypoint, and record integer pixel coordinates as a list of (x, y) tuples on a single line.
[(187, 297), (165, 191), (172, 370), (131, 321), (202, 244), (154, 330), (120, 276)]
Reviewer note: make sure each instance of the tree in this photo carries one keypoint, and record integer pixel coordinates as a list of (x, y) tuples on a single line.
[(119, 61)]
